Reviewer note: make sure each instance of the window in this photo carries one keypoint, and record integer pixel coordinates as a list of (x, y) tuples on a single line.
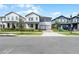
[(1, 19), (31, 18), (12, 18), (8, 18), (36, 18), (31, 25), (16, 18), (75, 20)]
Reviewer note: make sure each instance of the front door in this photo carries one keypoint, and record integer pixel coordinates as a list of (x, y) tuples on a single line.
[(13, 25), (36, 26)]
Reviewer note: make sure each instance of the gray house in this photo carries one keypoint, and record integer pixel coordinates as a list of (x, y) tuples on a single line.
[(67, 23), (62, 22)]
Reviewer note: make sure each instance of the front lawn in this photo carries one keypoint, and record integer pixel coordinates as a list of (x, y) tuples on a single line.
[(21, 32), (68, 33), (65, 32)]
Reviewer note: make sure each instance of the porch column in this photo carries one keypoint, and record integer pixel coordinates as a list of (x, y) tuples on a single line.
[(10, 24), (15, 25), (61, 26), (34, 26), (77, 26)]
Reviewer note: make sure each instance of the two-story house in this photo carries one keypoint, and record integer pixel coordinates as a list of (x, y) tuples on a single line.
[(36, 21), (75, 22), (62, 22), (67, 23), (11, 20), (30, 21)]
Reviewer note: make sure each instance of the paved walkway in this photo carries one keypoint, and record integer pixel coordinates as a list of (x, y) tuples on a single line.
[(51, 33)]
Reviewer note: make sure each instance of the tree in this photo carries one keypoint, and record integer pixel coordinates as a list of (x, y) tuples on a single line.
[(21, 24), (57, 24), (77, 15), (70, 24)]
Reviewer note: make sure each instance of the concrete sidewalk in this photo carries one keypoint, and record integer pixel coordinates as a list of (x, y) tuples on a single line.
[(51, 33), (45, 33)]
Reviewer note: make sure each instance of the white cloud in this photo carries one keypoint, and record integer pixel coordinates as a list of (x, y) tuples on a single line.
[(56, 13), (21, 5), (74, 13), (2, 6), (30, 8)]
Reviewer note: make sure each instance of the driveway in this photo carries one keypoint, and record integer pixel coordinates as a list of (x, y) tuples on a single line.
[(51, 33)]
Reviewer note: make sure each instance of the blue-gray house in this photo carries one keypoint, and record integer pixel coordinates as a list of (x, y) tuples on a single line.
[(66, 22)]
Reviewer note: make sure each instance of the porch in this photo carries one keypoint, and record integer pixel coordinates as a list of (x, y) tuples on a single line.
[(33, 25), (73, 26), (10, 25)]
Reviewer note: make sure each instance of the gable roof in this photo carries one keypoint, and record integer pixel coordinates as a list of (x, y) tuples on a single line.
[(37, 15), (14, 13), (31, 13), (75, 17), (60, 17)]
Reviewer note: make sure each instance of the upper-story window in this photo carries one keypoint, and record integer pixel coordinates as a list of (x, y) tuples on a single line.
[(31, 18), (63, 20), (1, 19), (12, 18), (75, 20), (8, 18), (16, 18), (36, 18)]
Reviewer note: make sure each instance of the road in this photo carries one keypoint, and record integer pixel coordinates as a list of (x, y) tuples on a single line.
[(39, 45)]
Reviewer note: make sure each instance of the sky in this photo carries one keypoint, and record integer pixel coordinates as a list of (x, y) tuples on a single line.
[(50, 10)]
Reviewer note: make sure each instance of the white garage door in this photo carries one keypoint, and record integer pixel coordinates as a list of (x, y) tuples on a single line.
[(45, 27)]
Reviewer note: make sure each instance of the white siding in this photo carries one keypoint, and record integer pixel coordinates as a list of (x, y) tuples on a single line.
[(75, 20), (62, 20), (12, 15), (35, 18)]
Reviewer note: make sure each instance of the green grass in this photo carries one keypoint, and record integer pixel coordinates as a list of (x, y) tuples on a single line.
[(68, 33), (65, 32), (21, 32), (29, 33)]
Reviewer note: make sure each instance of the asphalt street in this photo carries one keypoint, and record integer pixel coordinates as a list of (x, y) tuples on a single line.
[(39, 45)]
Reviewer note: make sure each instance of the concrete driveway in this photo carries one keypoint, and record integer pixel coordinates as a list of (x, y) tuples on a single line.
[(51, 33)]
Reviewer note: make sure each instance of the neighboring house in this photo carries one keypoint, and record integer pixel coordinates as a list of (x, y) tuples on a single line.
[(36, 21), (11, 20), (62, 22), (30, 21), (75, 23), (67, 23)]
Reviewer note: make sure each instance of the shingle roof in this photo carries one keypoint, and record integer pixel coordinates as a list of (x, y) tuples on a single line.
[(75, 17), (60, 17), (14, 13), (37, 15)]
